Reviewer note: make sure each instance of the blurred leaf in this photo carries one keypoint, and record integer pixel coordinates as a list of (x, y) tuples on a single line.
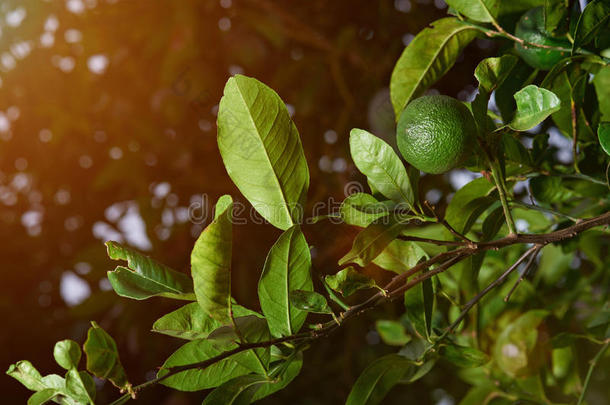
[(103, 357), (419, 304), (477, 10), (198, 379), (67, 353), (238, 391), (549, 189), (562, 361), (427, 58), (191, 322), (347, 281), (554, 264), (463, 356), (371, 241), (309, 301), (517, 351), (603, 133), (492, 224), (392, 332), (601, 81), (534, 104), (416, 349), (595, 16), (258, 140), (287, 268), (211, 263), (399, 256), (381, 165), (360, 209), (146, 277), (468, 203), (378, 379)]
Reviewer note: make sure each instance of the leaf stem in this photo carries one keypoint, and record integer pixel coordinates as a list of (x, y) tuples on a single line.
[(594, 362), (499, 180)]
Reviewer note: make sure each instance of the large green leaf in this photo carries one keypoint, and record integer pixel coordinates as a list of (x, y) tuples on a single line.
[(463, 356), (145, 277), (534, 104), (197, 379), (392, 332), (427, 58), (477, 10), (378, 379), (287, 268), (211, 264), (556, 16), (238, 391), (520, 75), (381, 165), (399, 256), (360, 209), (24, 372), (103, 357), (371, 241), (347, 281), (261, 150), (80, 386), (601, 81), (595, 16), (191, 322)]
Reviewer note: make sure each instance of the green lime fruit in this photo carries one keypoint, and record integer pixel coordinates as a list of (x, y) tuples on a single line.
[(530, 28), (435, 133)]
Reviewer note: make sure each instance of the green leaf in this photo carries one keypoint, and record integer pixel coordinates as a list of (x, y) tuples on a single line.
[(556, 16), (520, 75), (347, 281), (381, 165), (477, 10), (465, 357), (211, 264), (145, 277), (490, 73), (261, 150), (419, 304), (238, 391), (24, 372), (399, 256), (283, 373), (595, 16), (603, 134), (103, 357), (67, 353), (360, 209), (371, 241), (492, 224), (198, 379), (427, 58), (392, 332), (534, 104), (515, 350), (80, 386), (309, 301), (247, 329), (287, 268), (191, 322), (468, 203), (42, 397), (378, 379)]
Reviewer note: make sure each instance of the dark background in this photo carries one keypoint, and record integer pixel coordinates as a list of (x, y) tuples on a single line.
[(107, 131)]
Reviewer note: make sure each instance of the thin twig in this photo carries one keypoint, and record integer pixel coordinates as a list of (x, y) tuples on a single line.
[(574, 135), (594, 362), (528, 266)]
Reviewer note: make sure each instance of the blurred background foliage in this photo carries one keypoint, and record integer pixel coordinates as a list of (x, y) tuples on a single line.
[(107, 131)]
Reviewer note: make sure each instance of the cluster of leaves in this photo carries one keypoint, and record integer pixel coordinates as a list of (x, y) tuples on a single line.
[(523, 348)]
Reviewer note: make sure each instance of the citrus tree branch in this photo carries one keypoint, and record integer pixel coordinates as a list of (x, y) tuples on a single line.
[(398, 285)]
